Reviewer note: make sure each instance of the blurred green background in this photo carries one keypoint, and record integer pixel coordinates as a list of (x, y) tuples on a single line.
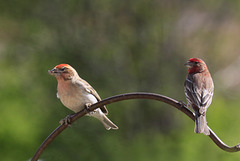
[(118, 47)]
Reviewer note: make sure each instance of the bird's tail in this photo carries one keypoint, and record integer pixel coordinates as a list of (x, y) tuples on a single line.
[(201, 124), (98, 114), (108, 124)]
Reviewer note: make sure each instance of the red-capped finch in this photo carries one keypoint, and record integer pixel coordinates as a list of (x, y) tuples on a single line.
[(76, 94), (199, 89)]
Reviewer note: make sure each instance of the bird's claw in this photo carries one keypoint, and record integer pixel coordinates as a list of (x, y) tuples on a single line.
[(66, 120), (87, 105), (88, 112), (182, 104)]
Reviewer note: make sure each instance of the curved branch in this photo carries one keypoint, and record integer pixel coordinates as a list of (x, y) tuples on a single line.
[(138, 95)]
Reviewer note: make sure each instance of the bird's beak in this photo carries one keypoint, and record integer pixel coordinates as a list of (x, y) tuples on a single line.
[(54, 72), (188, 64)]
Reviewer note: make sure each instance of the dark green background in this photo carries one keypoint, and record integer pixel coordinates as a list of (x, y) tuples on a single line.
[(118, 47)]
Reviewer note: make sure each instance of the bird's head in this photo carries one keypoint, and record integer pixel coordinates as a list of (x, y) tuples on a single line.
[(195, 65), (63, 71)]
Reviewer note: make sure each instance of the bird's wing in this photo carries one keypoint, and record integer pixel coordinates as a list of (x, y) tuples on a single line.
[(198, 92), (206, 97), (189, 91), (92, 91)]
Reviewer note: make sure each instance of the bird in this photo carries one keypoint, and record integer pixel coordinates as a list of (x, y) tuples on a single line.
[(199, 89), (77, 94)]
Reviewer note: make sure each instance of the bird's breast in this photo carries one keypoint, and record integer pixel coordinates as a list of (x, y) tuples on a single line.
[(74, 97)]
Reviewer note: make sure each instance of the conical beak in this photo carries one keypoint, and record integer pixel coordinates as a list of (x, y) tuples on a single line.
[(188, 64), (53, 72)]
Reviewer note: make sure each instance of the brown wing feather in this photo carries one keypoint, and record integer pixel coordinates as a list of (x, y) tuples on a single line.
[(91, 90), (198, 91)]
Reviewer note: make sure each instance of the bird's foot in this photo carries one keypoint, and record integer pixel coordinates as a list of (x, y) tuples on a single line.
[(66, 120), (89, 113), (87, 105), (182, 104)]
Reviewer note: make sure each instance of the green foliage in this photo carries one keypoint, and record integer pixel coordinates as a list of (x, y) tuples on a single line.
[(118, 47)]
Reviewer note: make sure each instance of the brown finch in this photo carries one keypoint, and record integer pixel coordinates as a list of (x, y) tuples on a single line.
[(199, 89), (76, 94)]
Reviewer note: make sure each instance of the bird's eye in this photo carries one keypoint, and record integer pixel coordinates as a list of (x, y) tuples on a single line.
[(196, 62), (63, 68)]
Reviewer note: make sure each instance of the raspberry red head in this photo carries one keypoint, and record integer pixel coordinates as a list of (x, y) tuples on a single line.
[(195, 65), (196, 60)]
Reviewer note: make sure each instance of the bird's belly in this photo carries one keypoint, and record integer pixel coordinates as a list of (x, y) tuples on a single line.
[(77, 102)]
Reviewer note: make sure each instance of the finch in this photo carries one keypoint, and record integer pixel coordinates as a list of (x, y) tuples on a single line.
[(199, 90), (76, 94)]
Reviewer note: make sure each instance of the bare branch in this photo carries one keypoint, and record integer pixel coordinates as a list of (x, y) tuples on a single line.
[(139, 95)]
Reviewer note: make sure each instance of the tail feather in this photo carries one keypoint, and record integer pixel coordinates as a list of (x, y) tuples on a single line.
[(108, 124), (206, 130), (98, 114), (201, 124)]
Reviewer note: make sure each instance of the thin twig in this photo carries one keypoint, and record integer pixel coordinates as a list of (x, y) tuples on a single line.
[(139, 95)]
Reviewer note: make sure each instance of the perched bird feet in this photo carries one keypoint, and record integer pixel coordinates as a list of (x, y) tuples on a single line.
[(89, 113), (182, 104), (66, 121), (87, 105)]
